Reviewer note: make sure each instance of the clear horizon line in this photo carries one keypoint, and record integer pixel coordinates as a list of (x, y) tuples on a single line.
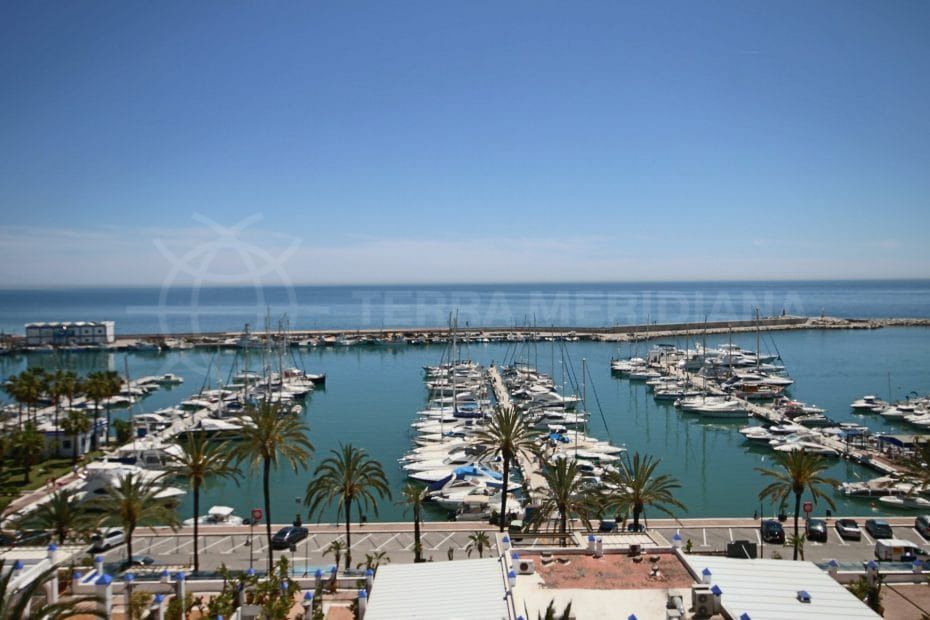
[(246, 284)]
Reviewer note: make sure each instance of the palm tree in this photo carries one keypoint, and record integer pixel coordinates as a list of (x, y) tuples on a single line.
[(131, 503), (58, 388), (63, 514), (799, 471), (553, 614), (414, 495), (76, 423), (13, 386), (634, 488), (565, 493), (373, 560), (347, 477), (336, 547), (272, 437), (26, 388), (37, 383), (509, 435), (478, 541), (28, 444), (19, 603), (198, 461), (100, 386)]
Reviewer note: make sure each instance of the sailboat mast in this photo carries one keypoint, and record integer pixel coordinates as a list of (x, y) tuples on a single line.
[(131, 412)]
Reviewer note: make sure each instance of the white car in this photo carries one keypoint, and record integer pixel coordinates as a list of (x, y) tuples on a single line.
[(107, 539)]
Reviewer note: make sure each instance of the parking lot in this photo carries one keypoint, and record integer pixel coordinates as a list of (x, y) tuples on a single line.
[(713, 538), (234, 550), (231, 546)]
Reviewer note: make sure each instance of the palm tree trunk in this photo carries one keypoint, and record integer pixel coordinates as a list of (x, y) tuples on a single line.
[(417, 549), (106, 440), (797, 509), (93, 433), (75, 446), (348, 505), (129, 531), (503, 515), (265, 476), (196, 524), (563, 526), (57, 407), (637, 510)]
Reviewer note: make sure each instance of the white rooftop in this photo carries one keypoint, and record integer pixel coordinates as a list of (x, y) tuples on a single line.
[(768, 589), (460, 590)]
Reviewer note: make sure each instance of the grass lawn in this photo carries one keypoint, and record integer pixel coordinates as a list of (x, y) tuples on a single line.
[(41, 472)]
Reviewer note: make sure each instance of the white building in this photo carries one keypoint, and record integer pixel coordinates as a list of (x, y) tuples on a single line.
[(58, 443), (70, 333)]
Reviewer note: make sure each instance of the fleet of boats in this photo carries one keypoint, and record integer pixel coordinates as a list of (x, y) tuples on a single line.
[(464, 478)]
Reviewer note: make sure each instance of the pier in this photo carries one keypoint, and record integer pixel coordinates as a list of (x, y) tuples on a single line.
[(770, 416), (413, 335)]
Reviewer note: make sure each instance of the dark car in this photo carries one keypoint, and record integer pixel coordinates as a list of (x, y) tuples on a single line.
[(848, 529), (138, 560), (816, 530), (878, 528), (922, 525), (32, 538), (607, 526), (773, 532), (288, 536)]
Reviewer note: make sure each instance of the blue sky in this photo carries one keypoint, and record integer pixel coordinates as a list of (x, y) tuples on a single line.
[(469, 141)]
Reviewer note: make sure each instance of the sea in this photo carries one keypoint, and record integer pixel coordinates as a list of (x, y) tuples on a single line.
[(188, 309), (372, 393)]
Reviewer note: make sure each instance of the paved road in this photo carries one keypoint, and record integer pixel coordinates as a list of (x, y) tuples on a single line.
[(230, 545)]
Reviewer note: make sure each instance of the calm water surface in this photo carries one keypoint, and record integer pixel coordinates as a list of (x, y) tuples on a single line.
[(372, 395), (209, 309)]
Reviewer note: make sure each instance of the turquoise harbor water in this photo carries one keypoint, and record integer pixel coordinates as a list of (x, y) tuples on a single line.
[(372, 394)]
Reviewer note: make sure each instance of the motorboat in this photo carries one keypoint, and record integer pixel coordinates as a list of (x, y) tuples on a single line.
[(807, 446), (217, 515), (99, 476), (908, 502), (731, 409), (758, 434), (868, 403), (169, 378)]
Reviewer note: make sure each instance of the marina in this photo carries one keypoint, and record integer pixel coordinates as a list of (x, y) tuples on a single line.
[(372, 394)]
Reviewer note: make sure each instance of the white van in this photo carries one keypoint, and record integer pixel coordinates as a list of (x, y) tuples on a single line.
[(897, 550)]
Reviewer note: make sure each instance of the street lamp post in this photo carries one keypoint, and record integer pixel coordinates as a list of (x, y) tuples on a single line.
[(251, 541)]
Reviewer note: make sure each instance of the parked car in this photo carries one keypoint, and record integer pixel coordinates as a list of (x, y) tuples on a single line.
[(773, 532), (32, 538), (287, 536), (816, 530), (878, 528), (107, 539), (139, 560), (848, 529), (922, 525), (607, 526)]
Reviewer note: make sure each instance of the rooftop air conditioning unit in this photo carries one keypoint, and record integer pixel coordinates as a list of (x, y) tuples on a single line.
[(526, 567), (703, 601)]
